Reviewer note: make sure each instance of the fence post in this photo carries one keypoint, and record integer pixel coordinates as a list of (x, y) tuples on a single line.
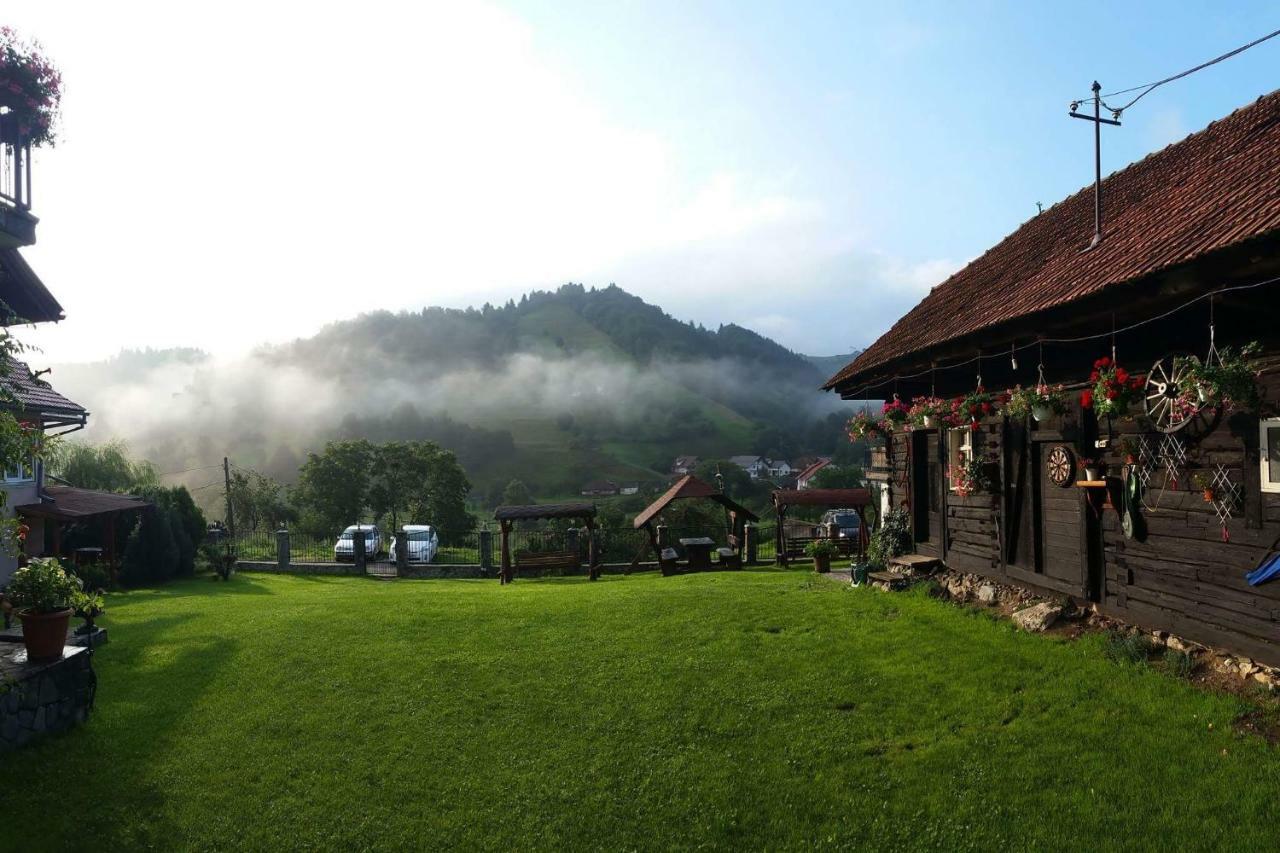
[(357, 549), (571, 542), (402, 550), (751, 543), (282, 548), (486, 549)]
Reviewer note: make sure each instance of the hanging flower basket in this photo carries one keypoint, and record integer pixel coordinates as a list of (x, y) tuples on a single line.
[(896, 412), (928, 412), (863, 427), (1230, 380), (974, 406), (1040, 402), (31, 89), (1114, 389)]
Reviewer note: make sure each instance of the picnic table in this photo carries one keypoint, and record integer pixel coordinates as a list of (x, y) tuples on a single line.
[(698, 551)]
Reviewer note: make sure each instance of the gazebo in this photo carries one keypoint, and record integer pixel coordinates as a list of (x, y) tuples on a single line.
[(858, 500), (507, 516), (66, 505), (689, 486)]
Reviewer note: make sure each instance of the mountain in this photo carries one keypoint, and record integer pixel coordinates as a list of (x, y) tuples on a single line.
[(557, 389), (829, 365)]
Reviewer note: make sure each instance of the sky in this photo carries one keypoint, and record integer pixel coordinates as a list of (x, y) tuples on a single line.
[(230, 173)]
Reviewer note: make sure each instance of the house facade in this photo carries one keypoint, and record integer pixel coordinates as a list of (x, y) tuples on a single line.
[(805, 477), (755, 466), (1188, 264)]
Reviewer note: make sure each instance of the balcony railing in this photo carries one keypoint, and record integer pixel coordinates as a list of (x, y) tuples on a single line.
[(17, 225)]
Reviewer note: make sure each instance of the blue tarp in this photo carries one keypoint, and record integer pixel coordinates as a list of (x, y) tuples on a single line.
[(1269, 570)]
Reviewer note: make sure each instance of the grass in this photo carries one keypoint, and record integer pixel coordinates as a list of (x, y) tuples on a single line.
[(756, 709)]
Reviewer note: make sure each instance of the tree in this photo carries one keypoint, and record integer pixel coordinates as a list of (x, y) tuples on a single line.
[(733, 480), (838, 477), (333, 485), (105, 467), (516, 493), (151, 554), (257, 502)]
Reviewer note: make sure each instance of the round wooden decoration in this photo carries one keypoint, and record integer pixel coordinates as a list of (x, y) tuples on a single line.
[(1060, 466)]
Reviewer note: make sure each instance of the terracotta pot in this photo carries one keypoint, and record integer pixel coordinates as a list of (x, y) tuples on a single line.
[(45, 634), (822, 563)]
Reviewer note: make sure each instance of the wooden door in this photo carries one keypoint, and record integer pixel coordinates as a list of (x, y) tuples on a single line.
[(926, 495), (1062, 562), (1023, 508)]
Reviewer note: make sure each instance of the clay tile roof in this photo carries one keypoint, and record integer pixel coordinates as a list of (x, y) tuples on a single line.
[(35, 395), (1215, 189), (535, 511)]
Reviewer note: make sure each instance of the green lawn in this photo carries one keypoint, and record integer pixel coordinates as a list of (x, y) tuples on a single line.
[(755, 709)]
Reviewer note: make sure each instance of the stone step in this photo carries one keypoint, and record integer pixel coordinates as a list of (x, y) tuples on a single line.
[(382, 571)]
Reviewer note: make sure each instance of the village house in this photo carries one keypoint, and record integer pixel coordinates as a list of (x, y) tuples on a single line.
[(684, 465), (755, 466), (600, 489), (1155, 515), (805, 477)]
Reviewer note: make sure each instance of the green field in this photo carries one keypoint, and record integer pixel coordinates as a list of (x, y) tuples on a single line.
[(761, 709)]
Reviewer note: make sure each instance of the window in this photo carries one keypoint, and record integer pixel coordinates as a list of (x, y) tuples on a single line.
[(1269, 451), (22, 474), (959, 452)]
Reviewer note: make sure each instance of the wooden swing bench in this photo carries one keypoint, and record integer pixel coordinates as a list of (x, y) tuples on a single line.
[(547, 561)]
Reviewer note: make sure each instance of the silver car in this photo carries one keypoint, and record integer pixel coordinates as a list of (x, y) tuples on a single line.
[(344, 548), (421, 543)]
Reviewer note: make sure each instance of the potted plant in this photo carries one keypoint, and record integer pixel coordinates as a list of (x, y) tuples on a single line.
[(31, 87), (1129, 450), (863, 427), (88, 606), (1092, 469), (1230, 381), (1113, 390), (977, 404), (927, 412), (43, 595), (895, 412), (1040, 401), (1204, 482), (971, 477), (821, 550)]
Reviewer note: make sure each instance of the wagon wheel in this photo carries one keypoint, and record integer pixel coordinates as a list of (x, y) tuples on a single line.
[(1160, 397), (1060, 466)]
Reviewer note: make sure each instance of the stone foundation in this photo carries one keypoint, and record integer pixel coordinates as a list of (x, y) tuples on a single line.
[(42, 698)]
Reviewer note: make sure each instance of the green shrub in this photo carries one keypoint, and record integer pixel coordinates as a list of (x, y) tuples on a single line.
[(41, 587), (1180, 664), (1128, 648), (821, 548), (892, 539)]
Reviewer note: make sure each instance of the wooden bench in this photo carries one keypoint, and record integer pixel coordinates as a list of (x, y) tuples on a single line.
[(545, 561)]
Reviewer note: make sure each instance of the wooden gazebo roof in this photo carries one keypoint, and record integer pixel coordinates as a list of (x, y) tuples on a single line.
[(690, 486), (536, 511), (833, 498)]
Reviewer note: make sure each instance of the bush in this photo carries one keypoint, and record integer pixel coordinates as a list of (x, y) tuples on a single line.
[(151, 555), (1180, 664), (92, 576), (1129, 648), (891, 540), (41, 587)]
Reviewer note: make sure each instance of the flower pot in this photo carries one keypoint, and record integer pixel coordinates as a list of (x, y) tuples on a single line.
[(822, 563), (45, 634), (1208, 496), (1041, 412), (1091, 474), (930, 422)]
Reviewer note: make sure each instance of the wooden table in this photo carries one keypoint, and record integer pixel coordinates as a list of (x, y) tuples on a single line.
[(698, 550)]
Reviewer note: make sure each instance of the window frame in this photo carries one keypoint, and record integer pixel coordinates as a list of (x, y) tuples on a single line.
[(959, 450), (1269, 486)]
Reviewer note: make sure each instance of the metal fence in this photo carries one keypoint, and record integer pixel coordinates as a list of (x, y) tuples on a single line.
[(467, 548)]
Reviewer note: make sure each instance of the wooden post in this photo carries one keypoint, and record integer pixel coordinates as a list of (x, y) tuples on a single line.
[(750, 543), (780, 557), (505, 574), (593, 550)]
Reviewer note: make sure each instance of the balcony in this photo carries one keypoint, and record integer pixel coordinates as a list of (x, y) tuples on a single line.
[(17, 225)]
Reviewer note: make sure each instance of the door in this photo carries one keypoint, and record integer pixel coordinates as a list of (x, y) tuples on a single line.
[(1023, 501), (1062, 524), (926, 495)]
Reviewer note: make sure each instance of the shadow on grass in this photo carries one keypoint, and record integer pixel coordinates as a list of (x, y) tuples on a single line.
[(203, 586)]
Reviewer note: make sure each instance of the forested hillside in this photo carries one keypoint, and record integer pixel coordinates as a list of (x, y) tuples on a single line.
[(555, 389)]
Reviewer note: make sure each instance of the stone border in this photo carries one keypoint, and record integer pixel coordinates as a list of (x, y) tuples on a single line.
[(41, 699)]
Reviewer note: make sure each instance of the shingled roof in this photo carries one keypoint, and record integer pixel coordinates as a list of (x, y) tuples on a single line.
[(1213, 190), (35, 396)]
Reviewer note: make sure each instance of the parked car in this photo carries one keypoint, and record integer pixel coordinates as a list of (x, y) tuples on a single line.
[(844, 522), (421, 543), (344, 548)]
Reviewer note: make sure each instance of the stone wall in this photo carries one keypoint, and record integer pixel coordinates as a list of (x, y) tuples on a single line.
[(41, 699), (298, 568)]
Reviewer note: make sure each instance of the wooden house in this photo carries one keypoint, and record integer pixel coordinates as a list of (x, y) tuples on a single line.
[(1188, 263)]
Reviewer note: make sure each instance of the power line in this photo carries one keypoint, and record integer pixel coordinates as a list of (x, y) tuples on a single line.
[(1147, 88), (187, 471), (1041, 341)]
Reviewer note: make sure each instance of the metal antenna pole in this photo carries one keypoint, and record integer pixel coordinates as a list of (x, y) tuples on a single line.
[(1098, 122)]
